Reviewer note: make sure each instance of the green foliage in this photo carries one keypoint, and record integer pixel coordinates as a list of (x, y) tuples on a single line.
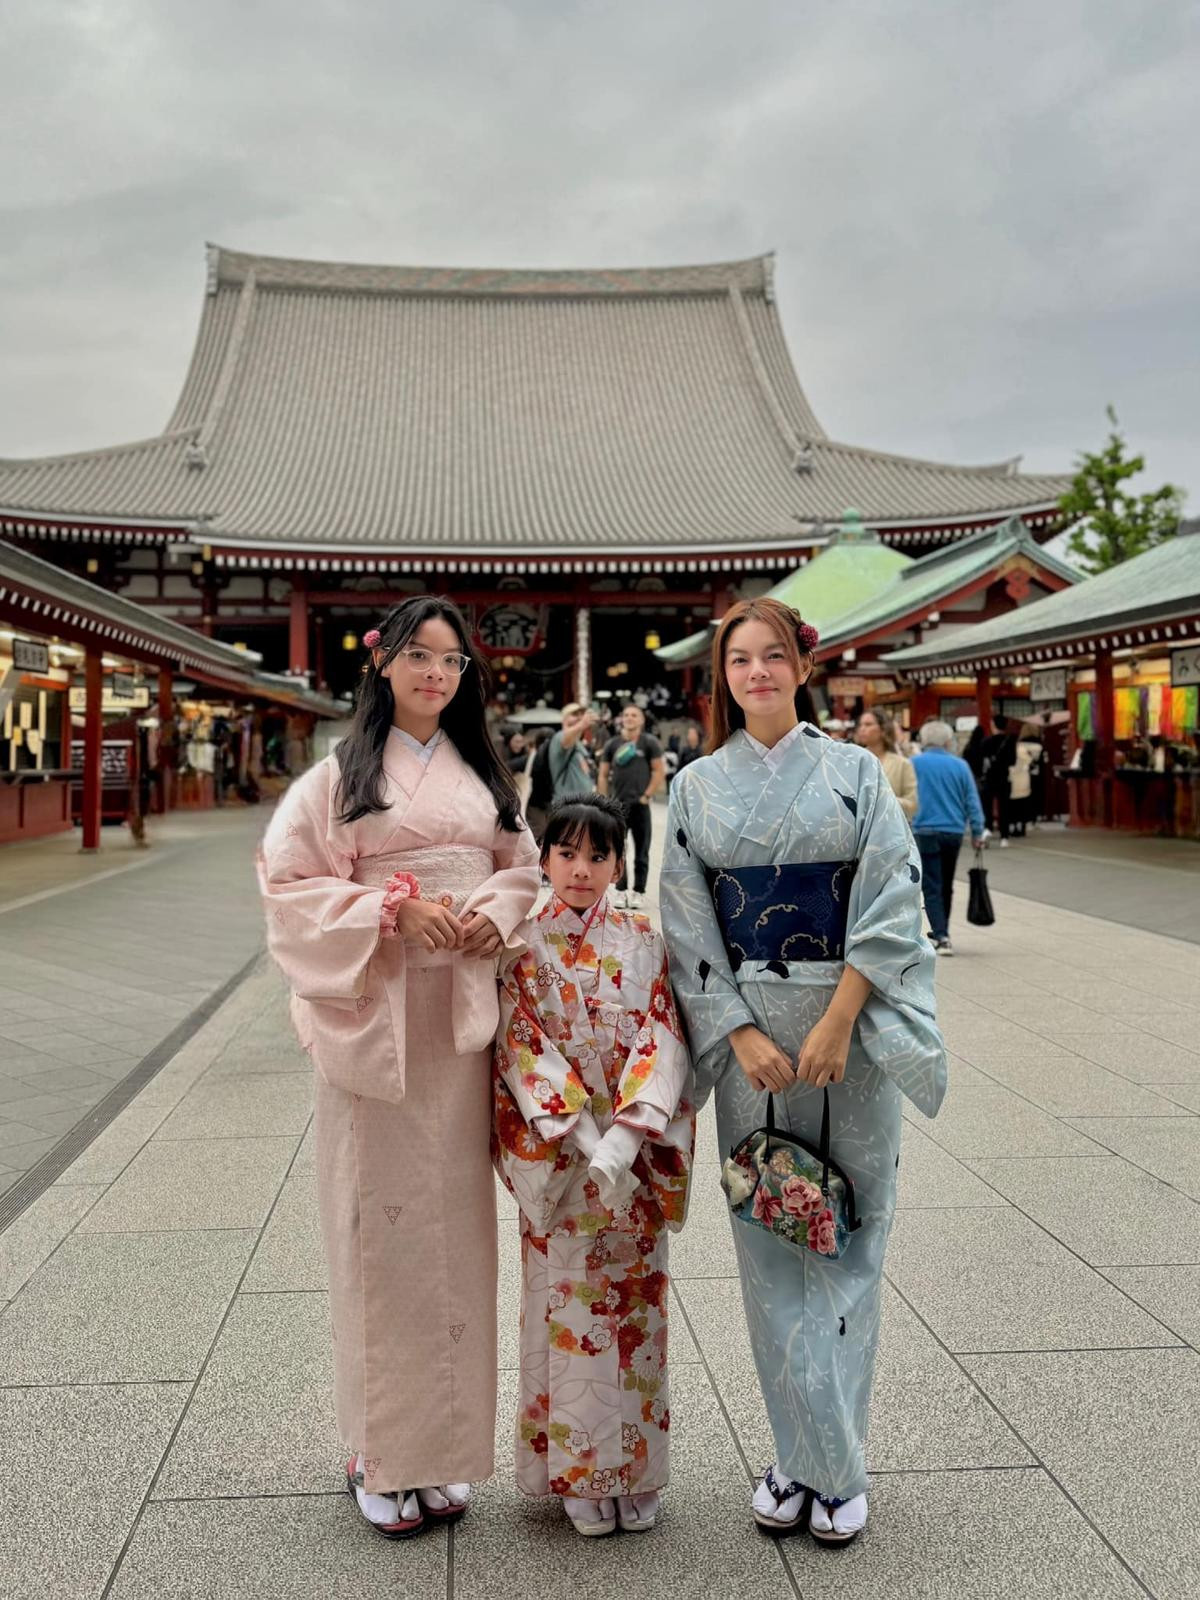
[(1113, 524)]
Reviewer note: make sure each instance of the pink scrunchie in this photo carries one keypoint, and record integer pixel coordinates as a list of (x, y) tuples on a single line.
[(401, 886), (371, 638)]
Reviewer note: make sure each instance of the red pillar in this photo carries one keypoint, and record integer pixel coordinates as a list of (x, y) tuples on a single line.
[(983, 699), (1103, 725), (298, 627), (93, 738), (166, 729)]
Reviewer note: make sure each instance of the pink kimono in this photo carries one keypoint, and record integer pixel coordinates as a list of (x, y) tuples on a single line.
[(401, 1039), (589, 1035)]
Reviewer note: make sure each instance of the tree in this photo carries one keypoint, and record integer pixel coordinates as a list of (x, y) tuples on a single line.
[(1113, 524)]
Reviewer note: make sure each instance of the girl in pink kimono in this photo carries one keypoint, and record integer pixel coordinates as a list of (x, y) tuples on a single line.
[(594, 1137), (396, 873)]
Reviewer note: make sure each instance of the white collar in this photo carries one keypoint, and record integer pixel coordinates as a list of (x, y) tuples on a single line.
[(774, 754), (423, 752)]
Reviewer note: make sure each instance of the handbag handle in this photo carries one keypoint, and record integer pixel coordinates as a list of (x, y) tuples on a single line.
[(824, 1140)]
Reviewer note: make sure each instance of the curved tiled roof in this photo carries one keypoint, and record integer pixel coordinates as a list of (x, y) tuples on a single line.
[(1158, 588), (418, 410)]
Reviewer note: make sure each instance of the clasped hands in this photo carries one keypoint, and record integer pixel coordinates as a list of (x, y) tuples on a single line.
[(435, 927), (821, 1061)]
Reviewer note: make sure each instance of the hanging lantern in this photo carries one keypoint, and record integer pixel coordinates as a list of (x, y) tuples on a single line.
[(349, 641), (652, 639)]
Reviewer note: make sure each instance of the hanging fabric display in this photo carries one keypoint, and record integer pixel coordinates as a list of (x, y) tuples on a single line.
[(1125, 708), (1083, 716), (1154, 712)]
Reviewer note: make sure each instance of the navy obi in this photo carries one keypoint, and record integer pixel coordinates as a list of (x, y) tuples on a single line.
[(785, 913)]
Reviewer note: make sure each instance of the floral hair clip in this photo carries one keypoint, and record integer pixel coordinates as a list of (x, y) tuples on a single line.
[(371, 638), (808, 636)]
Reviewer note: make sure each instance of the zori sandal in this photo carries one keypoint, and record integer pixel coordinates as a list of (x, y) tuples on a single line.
[(592, 1518), (445, 1502), (393, 1516), (837, 1522), (778, 1507)]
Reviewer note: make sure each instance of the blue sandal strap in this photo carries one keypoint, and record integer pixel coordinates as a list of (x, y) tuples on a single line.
[(785, 1491)]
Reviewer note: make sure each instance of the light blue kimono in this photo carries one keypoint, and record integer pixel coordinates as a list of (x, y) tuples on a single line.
[(813, 1322)]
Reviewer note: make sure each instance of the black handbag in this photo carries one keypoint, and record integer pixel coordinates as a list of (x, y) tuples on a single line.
[(979, 901)]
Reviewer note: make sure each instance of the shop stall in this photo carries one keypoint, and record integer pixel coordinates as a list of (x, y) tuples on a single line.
[(1117, 660)]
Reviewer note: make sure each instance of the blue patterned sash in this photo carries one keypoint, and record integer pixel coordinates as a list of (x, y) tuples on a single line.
[(794, 912)]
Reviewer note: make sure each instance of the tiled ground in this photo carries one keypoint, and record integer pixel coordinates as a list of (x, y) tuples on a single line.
[(102, 956), (165, 1415)]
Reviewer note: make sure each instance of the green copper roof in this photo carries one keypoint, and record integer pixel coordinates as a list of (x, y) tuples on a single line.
[(858, 585), (1157, 587), (854, 566), (922, 583)]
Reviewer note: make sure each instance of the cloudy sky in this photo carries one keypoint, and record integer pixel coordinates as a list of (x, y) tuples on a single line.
[(985, 215)]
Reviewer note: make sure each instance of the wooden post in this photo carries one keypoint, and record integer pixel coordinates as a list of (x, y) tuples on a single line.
[(298, 626), (93, 739), (983, 698)]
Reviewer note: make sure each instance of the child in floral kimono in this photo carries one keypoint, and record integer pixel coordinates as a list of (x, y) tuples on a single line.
[(594, 1134)]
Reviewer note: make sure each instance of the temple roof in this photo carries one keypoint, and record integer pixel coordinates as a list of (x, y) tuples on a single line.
[(1153, 590), (403, 410)]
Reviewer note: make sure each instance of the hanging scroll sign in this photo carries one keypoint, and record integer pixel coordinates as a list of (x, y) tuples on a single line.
[(511, 630)]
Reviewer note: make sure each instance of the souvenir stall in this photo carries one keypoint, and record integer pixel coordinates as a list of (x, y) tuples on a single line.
[(1125, 649)]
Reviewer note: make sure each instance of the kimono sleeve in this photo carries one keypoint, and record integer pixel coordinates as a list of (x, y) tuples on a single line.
[(508, 896), (897, 1027), (710, 1003), (321, 928), (654, 1096), (546, 1089), (657, 1068), (537, 1098)]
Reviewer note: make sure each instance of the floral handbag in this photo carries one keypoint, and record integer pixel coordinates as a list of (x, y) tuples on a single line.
[(796, 1191)]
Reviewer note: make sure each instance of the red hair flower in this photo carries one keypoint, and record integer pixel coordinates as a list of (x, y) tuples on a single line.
[(808, 636), (371, 638)]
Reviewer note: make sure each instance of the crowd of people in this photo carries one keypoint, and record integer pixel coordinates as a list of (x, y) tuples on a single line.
[(454, 1025)]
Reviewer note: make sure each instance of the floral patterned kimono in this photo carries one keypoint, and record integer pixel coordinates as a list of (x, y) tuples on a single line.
[(824, 811), (588, 1033)]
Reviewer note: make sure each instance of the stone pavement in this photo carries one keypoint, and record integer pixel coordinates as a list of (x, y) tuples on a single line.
[(102, 956), (165, 1413)]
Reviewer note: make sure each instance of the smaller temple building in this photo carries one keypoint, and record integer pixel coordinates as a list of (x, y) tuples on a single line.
[(867, 599), (1117, 657)]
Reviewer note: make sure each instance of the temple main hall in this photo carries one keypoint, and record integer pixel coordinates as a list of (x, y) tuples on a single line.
[(591, 462)]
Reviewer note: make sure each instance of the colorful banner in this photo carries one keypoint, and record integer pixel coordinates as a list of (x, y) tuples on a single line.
[(1084, 722)]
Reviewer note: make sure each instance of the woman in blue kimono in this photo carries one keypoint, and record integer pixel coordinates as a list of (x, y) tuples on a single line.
[(834, 989)]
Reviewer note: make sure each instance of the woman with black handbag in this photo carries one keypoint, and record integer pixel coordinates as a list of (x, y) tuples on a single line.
[(791, 909)]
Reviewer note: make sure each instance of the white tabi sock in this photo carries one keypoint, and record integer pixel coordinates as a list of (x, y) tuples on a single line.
[(384, 1509), (444, 1495)]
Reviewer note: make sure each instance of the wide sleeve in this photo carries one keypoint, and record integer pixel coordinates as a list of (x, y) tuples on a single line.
[(897, 1027), (710, 1003), (537, 1099), (508, 896), (655, 1098), (322, 929)]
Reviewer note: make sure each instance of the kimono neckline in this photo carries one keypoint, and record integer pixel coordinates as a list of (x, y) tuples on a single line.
[(597, 912)]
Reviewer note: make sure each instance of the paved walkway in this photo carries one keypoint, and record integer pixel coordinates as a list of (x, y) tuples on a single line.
[(102, 956), (165, 1414)]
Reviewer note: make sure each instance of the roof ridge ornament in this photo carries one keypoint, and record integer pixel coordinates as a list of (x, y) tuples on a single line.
[(803, 459), (196, 456), (212, 265)]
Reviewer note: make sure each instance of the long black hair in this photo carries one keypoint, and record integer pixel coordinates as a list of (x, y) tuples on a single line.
[(360, 753)]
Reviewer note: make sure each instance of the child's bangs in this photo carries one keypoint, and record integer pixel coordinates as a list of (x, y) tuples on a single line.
[(584, 825)]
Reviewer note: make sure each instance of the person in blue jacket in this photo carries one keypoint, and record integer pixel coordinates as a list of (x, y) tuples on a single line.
[(947, 804)]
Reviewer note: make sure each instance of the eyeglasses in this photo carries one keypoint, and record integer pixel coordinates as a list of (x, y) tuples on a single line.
[(453, 662)]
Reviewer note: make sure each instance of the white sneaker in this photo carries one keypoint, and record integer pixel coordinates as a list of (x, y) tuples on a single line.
[(636, 901), (837, 1524)]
